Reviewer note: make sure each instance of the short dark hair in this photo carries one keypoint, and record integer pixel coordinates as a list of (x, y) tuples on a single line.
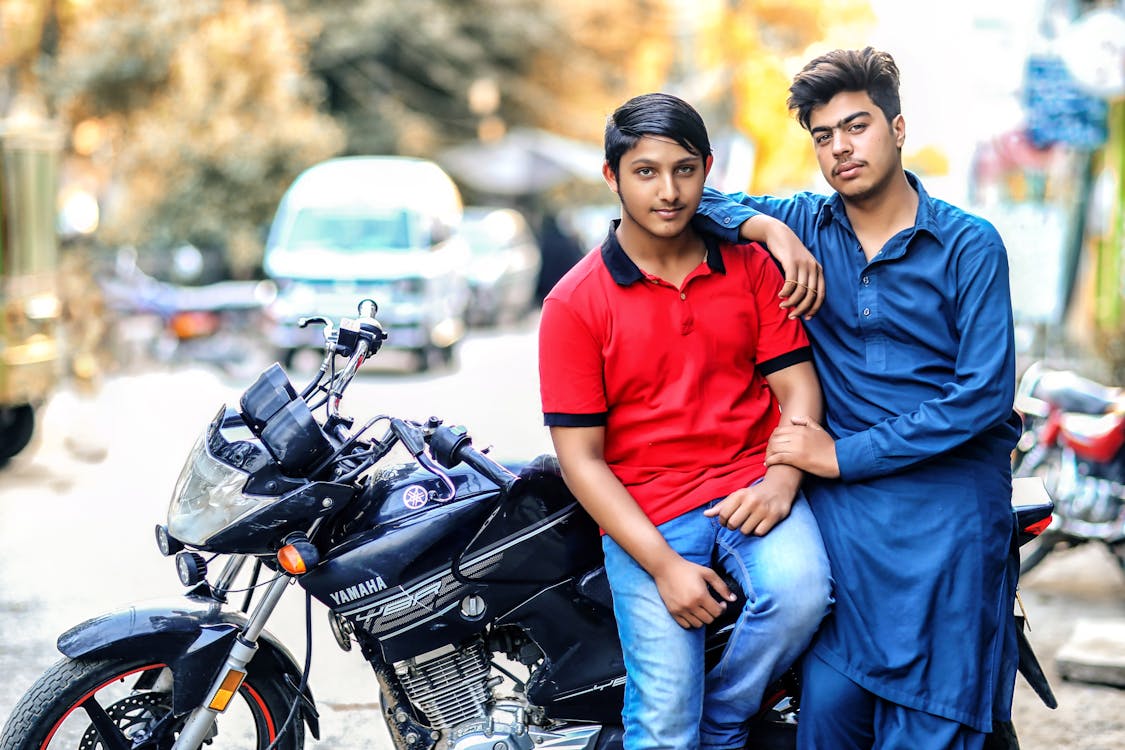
[(654, 114), (866, 70)]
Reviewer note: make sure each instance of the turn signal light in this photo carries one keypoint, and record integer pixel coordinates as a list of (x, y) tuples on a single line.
[(298, 557)]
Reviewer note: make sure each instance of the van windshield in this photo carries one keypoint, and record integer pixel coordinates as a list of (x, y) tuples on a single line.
[(333, 229)]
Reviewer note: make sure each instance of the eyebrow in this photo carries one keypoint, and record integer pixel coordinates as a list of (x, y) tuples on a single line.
[(642, 160), (841, 123)]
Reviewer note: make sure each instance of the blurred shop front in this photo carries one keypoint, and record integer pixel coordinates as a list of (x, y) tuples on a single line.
[(29, 298), (1055, 188)]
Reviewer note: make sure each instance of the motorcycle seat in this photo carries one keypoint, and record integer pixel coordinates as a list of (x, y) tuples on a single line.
[(545, 463), (1071, 392)]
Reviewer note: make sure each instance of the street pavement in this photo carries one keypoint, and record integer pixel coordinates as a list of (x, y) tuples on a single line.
[(77, 513)]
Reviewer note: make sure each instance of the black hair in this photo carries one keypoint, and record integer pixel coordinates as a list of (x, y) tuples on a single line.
[(654, 114), (867, 70)]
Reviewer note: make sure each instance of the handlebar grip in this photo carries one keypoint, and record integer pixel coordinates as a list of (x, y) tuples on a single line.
[(452, 445)]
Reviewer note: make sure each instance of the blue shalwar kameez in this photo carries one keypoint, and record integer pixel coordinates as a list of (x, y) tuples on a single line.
[(915, 354)]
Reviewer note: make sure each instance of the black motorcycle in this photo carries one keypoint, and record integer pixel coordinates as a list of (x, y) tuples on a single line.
[(474, 589)]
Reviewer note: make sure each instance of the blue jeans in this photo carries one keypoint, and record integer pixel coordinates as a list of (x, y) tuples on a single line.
[(669, 702)]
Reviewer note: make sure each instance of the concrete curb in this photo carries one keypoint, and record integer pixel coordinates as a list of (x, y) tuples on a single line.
[(1094, 653)]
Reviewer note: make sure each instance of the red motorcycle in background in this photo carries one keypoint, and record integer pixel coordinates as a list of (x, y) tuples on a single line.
[(1074, 439)]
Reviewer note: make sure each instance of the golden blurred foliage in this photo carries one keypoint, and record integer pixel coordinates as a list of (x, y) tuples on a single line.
[(623, 48), (927, 161), (188, 120), (761, 44)]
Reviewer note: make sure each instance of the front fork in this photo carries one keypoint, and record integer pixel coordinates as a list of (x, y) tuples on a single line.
[(201, 722)]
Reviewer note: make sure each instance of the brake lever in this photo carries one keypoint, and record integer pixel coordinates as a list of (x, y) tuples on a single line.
[(306, 322), (413, 438)]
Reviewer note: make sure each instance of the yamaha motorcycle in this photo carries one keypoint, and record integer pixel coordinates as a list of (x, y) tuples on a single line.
[(1074, 439), (474, 589)]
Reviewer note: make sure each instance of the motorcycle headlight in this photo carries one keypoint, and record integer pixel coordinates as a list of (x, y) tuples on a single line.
[(209, 495)]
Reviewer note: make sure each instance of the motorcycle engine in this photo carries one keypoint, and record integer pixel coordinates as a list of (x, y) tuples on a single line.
[(453, 688), (506, 727), (1097, 500), (449, 685)]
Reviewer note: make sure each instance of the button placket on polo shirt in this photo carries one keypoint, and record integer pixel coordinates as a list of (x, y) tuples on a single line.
[(687, 315), (687, 318)]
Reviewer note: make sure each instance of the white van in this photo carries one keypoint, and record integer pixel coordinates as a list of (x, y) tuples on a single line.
[(384, 227)]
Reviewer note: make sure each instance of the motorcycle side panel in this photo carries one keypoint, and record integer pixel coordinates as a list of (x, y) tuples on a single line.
[(191, 635), (583, 674), (396, 582)]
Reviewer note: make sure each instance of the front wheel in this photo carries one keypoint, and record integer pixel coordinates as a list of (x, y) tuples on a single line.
[(17, 425), (83, 704)]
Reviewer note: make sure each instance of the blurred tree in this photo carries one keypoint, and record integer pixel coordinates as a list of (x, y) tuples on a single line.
[(200, 114), (21, 33), (414, 77), (195, 116)]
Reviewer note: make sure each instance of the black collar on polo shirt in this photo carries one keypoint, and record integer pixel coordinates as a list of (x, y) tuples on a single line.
[(625, 272)]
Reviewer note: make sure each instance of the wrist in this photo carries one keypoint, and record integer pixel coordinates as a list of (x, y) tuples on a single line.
[(764, 229), (657, 559), (784, 477)]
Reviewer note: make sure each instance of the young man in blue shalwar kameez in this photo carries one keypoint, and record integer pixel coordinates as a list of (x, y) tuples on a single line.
[(914, 348)]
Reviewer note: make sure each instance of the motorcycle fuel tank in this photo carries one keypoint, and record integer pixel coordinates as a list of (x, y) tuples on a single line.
[(411, 578)]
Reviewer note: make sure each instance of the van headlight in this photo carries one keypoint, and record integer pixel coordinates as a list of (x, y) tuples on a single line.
[(209, 496)]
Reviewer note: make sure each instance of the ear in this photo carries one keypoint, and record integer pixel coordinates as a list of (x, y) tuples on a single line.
[(898, 127), (609, 177), (707, 165)]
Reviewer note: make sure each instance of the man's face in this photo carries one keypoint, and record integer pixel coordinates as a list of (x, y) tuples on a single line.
[(858, 150), (660, 184)]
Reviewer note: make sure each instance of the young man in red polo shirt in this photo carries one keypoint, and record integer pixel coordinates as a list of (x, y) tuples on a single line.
[(664, 358)]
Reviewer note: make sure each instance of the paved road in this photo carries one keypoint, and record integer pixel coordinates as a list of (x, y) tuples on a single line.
[(77, 534)]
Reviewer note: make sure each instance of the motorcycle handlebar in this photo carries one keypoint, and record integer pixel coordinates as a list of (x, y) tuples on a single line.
[(452, 445)]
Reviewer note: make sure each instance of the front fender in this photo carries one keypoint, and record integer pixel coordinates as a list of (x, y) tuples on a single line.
[(192, 635)]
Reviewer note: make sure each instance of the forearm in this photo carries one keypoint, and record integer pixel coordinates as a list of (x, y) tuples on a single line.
[(610, 505), (766, 230), (803, 400), (798, 392), (936, 427)]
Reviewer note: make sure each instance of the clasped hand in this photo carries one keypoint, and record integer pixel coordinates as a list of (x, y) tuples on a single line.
[(805, 445)]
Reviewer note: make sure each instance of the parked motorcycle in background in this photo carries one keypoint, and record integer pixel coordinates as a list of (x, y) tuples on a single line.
[(474, 589), (218, 324), (1074, 439)]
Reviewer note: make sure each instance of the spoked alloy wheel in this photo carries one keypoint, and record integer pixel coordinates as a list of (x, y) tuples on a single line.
[(119, 704)]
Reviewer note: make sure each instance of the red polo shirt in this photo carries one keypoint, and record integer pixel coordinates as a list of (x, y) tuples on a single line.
[(676, 376)]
